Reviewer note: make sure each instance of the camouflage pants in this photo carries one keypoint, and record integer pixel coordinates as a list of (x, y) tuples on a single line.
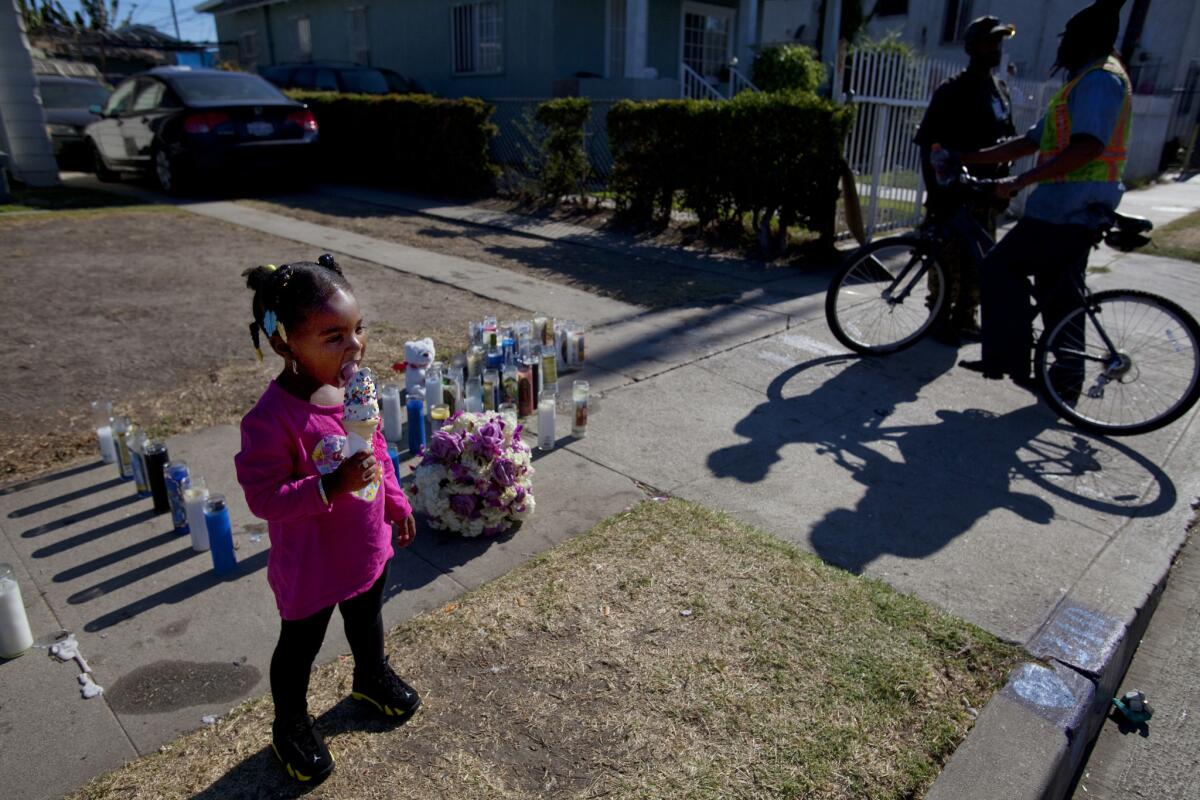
[(962, 276)]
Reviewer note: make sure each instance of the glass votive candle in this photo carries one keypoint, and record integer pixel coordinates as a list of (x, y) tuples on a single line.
[(579, 400), (438, 414)]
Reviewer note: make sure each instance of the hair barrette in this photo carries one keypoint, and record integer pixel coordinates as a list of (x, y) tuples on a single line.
[(270, 322)]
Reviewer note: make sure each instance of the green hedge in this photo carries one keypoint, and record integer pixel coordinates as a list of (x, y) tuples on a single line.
[(760, 153), (564, 165), (415, 141)]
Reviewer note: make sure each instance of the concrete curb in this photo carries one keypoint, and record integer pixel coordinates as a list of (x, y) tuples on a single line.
[(1032, 738)]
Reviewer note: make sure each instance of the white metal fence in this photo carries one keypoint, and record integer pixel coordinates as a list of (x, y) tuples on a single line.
[(890, 92)]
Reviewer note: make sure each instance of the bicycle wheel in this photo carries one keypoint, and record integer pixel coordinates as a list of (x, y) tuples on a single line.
[(1149, 378), (886, 297)]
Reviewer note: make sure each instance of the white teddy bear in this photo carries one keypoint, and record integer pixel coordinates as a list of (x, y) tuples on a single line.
[(418, 356)]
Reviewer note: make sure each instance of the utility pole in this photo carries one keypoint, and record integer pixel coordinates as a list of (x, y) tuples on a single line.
[(176, 20)]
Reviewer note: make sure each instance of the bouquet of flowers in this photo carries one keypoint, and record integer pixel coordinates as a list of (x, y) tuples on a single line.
[(473, 478)]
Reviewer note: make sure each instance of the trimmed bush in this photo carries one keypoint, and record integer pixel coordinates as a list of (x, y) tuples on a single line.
[(414, 141), (564, 165), (759, 154), (787, 67)]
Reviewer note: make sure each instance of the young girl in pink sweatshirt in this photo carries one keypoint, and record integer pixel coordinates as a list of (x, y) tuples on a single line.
[(329, 547)]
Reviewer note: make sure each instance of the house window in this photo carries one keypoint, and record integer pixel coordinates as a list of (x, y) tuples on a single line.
[(891, 8), (303, 39), (616, 38), (248, 48), (956, 20), (707, 38), (476, 38), (360, 42)]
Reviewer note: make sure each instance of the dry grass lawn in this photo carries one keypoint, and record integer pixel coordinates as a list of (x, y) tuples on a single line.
[(1178, 239), (670, 652)]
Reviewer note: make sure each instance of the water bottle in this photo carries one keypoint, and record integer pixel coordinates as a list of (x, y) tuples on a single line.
[(220, 534)]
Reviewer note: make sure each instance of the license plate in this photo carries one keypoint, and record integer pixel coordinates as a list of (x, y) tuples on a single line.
[(260, 128)]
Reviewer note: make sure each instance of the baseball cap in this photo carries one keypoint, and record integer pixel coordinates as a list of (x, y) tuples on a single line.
[(986, 27), (1100, 22)]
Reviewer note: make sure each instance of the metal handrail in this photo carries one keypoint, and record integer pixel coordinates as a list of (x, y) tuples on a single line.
[(739, 83), (694, 86)]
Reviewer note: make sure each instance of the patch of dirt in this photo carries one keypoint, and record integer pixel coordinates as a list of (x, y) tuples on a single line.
[(147, 307), (640, 281)]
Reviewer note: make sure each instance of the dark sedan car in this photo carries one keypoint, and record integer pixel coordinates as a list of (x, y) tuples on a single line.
[(175, 124), (66, 103)]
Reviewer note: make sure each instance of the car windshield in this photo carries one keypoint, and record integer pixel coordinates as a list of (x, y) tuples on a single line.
[(211, 87), (364, 81), (72, 95)]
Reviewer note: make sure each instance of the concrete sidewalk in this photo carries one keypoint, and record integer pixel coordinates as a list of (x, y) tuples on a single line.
[(965, 492)]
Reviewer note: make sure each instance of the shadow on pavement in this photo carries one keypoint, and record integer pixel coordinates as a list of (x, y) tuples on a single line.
[(929, 483), (33, 483)]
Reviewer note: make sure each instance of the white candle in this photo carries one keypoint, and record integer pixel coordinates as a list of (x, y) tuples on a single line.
[(193, 500), (546, 422), (108, 450), (15, 636), (433, 387), (393, 414)]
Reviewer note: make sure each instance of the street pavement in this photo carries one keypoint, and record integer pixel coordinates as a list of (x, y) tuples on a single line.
[(964, 492)]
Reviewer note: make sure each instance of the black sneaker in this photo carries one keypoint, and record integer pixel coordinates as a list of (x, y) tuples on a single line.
[(301, 750), (386, 691)]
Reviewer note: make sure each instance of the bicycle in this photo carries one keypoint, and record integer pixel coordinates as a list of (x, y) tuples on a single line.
[(1124, 362)]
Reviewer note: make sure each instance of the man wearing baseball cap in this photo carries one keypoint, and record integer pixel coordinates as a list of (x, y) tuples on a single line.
[(968, 112), (1081, 144)]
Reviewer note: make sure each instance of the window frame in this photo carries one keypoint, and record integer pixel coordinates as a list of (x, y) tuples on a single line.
[(304, 44), (891, 8), (729, 13), (955, 19), (360, 55), (477, 44), (614, 38), (248, 55)]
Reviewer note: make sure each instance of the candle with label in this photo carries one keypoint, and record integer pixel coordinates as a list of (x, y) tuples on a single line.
[(476, 357), (508, 381), (220, 534), (524, 390), (549, 366), (195, 492), (393, 417), (175, 475), (135, 439), (579, 401), (491, 389), (120, 426), (438, 415)]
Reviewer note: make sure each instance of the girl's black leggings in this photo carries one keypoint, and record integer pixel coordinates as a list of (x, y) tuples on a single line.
[(300, 640)]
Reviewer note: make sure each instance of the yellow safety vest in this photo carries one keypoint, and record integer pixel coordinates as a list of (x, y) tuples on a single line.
[(1056, 133)]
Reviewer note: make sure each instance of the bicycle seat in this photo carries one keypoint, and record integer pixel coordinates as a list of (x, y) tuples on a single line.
[(1131, 224)]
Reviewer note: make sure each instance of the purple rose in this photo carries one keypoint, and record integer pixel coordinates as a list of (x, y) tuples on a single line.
[(487, 441), (463, 505), (504, 472), (445, 446)]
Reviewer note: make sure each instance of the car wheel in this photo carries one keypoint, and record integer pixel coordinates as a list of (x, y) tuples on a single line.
[(103, 173), (166, 172)]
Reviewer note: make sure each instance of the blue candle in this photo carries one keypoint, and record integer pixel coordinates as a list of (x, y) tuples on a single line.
[(394, 455), (220, 534), (416, 425)]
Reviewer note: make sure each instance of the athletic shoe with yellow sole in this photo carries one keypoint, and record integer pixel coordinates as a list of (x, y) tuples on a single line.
[(301, 750), (385, 690)]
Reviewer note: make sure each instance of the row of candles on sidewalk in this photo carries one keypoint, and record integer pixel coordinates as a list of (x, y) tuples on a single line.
[(145, 461), (510, 367)]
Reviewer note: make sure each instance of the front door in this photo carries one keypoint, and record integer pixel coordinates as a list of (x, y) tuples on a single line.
[(707, 38)]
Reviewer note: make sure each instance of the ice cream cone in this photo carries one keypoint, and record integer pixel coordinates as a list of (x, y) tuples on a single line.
[(363, 428)]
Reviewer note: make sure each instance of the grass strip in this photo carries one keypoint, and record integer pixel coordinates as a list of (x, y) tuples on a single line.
[(670, 652), (1178, 239)]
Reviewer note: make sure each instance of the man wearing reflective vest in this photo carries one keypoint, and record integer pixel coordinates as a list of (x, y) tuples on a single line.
[(1081, 143)]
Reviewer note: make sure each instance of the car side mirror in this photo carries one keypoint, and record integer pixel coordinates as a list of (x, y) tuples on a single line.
[(97, 110)]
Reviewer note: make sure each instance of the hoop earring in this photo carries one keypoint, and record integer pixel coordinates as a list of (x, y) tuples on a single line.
[(296, 367)]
